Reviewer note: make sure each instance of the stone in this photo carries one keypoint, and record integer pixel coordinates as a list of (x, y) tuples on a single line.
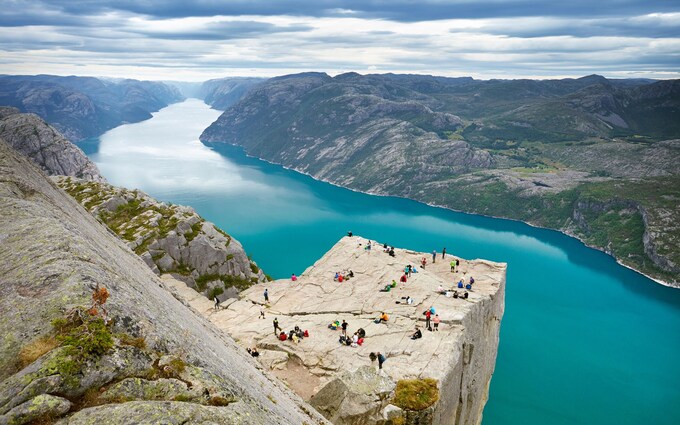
[(46, 147), (354, 396), (143, 389), (41, 406), (391, 412)]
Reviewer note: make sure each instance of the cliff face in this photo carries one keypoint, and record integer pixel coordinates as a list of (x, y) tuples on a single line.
[(82, 107), (45, 146), (153, 359), (342, 382), (170, 238), (223, 92)]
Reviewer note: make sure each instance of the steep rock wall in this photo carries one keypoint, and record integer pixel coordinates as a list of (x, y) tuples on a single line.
[(54, 253)]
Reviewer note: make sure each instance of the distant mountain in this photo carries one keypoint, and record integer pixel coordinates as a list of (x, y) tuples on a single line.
[(589, 156), (29, 135), (82, 107), (223, 92)]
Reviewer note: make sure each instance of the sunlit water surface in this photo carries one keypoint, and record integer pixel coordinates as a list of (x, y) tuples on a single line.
[(583, 340)]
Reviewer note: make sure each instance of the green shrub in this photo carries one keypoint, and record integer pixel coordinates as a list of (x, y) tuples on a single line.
[(217, 290), (416, 394)]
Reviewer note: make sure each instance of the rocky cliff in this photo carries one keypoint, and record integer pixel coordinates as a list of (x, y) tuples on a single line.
[(170, 238), (223, 92), (131, 354), (45, 146), (82, 107), (342, 382)]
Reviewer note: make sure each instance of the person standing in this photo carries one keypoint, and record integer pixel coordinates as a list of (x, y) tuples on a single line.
[(344, 328), (436, 320), (434, 256), (428, 316), (217, 303), (276, 326), (266, 295), (381, 360), (453, 266), (443, 253)]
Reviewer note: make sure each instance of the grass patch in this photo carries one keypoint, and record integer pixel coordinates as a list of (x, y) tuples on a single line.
[(213, 292), (254, 268), (36, 348), (416, 394)]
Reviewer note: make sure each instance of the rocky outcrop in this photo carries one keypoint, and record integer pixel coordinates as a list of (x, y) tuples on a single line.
[(460, 356), (223, 92), (56, 351), (45, 146), (170, 238), (82, 107)]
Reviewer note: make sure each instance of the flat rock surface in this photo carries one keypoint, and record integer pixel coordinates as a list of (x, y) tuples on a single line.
[(315, 300)]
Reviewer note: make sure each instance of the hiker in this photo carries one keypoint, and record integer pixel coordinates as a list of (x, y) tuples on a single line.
[(423, 261), (381, 359), (266, 295), (443, 253), (428, 315), (417, 334), (436, 320), (453, 266), (293, 277), (217, 303), (276, 326), (261, 314), (434, 256), (344, 328)]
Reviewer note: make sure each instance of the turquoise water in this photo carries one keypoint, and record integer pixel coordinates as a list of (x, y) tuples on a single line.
[(583, 340)]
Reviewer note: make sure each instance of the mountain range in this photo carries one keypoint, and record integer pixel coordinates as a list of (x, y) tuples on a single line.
[(593, 157)]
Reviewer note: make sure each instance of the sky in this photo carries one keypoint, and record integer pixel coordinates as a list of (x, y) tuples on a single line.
[(195, 40)]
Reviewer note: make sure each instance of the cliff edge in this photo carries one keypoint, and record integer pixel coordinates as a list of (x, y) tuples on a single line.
[(342, 382)]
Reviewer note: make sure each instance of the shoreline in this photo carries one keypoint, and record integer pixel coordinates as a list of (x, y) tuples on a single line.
[(618, 261)]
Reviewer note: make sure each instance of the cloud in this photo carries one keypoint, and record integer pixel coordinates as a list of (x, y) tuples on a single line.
[(207, 39)]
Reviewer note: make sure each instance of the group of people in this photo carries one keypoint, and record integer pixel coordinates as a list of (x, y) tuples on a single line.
[(294, 335), (253, 352), (468, 285), (341, 276), (389, 250)]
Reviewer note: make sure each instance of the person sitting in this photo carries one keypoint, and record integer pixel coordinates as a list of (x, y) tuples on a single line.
[(383, 318), (460, 283), (341, 278), (293, 277), (409, 300), (465, 295), (350, 274), (423, 262), (394, 283), (472, 280), (391, 253), (282, 336), (385, 247), (414, 269), (468, 286), (337, 275), (387, 288), (403, 278), (295, 338), (349, 233), (455, 294), (361, 332), (355, 340), (417, 334), (360, 342), (253, 352), (440, 289)]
